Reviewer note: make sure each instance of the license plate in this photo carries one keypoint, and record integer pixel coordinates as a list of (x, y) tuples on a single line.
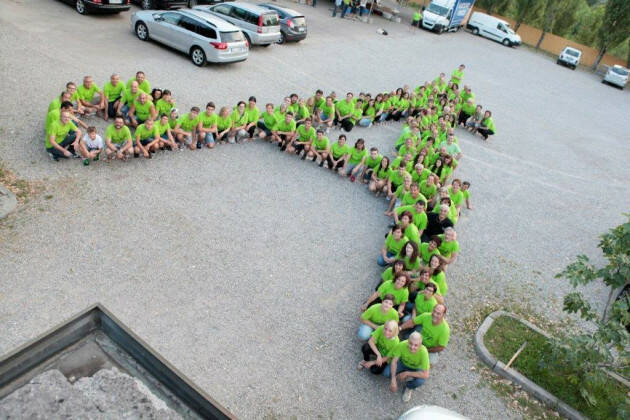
[(300, 29), (115, 1), (237, 49)]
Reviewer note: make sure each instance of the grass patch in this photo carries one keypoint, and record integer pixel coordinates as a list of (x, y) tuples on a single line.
[(505, 337)]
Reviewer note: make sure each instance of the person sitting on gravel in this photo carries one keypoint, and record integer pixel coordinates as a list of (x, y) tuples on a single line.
[(392, 271), (166, 136), (409, 365), (394, 242), (466, 191), (449, 248), (397, 288), (91, 96), (380, 177), (356, 159), (486, 128), (143, 83), (62, 138), (129, 96), (54, 115), (372, 161), (253, 115), (344, 112), (430, 248), (305, 134), (91, 146), (320, 147), (207, 126), (147, 139), (224, 126), (267, 123), (338, 156), (284, 132), (326, 115), (55, 104), (381, 344), (239, 123), (377, 315), (434, 329), (437, 222), (118, 140), (185, 130), (437, 265), (113, 91)]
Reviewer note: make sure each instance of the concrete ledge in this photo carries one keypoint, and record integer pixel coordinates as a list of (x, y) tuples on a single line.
[(8, 202), (499, 367)]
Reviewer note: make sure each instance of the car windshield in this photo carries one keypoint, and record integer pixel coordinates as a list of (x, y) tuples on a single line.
[(270, 19), (573, 53), (299, 20), (235, 36), (438, 10), (620, 71)]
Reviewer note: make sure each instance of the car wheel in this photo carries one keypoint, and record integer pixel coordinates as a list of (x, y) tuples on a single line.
[(506, 42), (80, 7), (142, 31), (197, 56), (192, 3), (249, 41), (558, 61), (281, 39), (147, 4), (475, 31)]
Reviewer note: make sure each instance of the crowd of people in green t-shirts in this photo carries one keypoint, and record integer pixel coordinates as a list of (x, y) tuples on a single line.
[(425, 198)]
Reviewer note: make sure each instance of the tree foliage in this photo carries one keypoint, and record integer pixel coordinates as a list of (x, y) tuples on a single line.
[(615, 27), (581, 355), (526, 11)]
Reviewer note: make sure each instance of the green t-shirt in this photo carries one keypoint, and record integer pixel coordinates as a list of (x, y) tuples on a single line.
[(440, 280), (207, 121), (52, 117), (60, 131), (382, 173), (412, 266), (163, 107), (88, 94), (489, 123), (162, 127), (146, 133), (385, 346), (142, 111), (418, 178), (409, 199), (286, 127), (344, 107), (424, 305), (426, 190), (448, 248), (412, 233), (118, 136), (375, 314), (238, 119), (54, 104), (393, 246), (253, 114), (305, 135), (433, 335), (186, 124), (329, 111), (389, 287), (129, 98), (417, 360), (112, 92), (388, 274), (466, 194), (303, 113), (356, 155), (396, 178), (269, 120), (318, 103), (373, 163), (338, 151), (457, 76), (223, 123), (144, 86), (321, 144), (456, 198), (419, 219), (417, 16), (426, 254)]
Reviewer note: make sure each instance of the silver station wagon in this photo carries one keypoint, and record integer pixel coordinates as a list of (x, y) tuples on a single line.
[(203, 37), (260, 25)]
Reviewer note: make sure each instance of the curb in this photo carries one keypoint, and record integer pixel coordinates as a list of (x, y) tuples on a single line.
[(498, 367), (8, 202)]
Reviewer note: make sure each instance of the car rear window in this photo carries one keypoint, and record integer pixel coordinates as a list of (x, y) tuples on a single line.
[(235, 36), (621, 72), (270, 19), (574, 53), (299, 20)]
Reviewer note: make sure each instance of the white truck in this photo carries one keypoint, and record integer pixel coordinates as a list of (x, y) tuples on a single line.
[(493, 28), (446, 15)]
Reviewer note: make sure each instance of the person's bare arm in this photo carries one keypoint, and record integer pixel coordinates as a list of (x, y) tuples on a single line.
[(369, 300), (435, 349), (393, 386), (368, 323)]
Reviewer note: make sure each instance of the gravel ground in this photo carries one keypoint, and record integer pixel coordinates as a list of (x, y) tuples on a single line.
[(244, 267)]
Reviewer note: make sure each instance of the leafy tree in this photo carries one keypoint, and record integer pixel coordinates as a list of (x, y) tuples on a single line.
[(549, 15), (583, 355), (615, 27), (526, 11), (589, 21), (494, 6), (566, 16)]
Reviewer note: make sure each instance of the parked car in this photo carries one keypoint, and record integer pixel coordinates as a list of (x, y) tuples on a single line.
[(161, 4), (292, 23), (493, 28), (617, 75), (261, 26), (200, 35), (193, 3), (569, 57), (99, 6), (430, 412)]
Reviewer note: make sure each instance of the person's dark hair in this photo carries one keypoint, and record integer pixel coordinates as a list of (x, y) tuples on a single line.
[(397, 227), (308, 119), (252, 99), (163, 115), (210, 104), (319, 130), (408, 214), (373, 149), (350, 93), (289, 113), (432, 286), (241, 103), (139, 72), (414, 254), (396, 262), (437, 240), (194, 109), (321, 92), (423, 270), (359, 142), (294, 95), (440, 266), (91, 129), (166, 92), (342, 136), (66, 104), (402, 274), (119, 116), (386, 160), (445, 200), (154, 91), (390, 297), (70, 84), (466, 183)]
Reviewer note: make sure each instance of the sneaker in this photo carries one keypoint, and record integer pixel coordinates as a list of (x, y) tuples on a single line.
[(74, 155), (53, 157), (136, 155), (231, 140), (303, 156), (321, 164), (406, 397), (96, 158), (283, 148), (352, 178), (86, 162), (198, 145)]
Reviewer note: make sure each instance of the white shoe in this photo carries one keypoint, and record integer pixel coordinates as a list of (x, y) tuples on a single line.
[(406, 397), (231, 140)]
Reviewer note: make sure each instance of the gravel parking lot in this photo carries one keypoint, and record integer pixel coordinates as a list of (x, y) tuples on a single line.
[(245, 268)]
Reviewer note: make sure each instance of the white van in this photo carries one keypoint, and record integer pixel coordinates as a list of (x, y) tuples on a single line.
[(493, 28), (569, 57)]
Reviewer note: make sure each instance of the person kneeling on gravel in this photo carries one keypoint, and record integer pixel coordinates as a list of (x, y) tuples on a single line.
[(409, 365)]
